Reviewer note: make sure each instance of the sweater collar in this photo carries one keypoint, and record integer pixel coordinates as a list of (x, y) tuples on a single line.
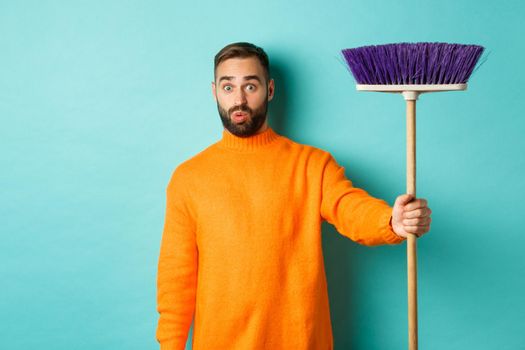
[(249, 143)]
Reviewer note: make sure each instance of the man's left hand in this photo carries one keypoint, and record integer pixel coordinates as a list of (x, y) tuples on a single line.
[(410, 216)]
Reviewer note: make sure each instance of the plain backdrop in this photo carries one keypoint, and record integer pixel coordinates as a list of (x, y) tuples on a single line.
[(101, 100)]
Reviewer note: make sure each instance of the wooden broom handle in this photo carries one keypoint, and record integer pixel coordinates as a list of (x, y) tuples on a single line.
[(411, 240)]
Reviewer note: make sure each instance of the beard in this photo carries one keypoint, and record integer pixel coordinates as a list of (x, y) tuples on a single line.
[(253, 123)]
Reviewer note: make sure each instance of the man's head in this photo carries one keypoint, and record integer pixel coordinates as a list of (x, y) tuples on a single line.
[(242, 88)]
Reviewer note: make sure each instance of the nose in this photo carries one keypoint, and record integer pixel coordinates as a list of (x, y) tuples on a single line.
[(240, 97)]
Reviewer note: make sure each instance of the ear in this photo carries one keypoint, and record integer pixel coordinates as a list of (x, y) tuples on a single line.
[(271, 89), (213, 90)]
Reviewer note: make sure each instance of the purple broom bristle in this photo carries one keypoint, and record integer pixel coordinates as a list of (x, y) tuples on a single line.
[(412, 63)]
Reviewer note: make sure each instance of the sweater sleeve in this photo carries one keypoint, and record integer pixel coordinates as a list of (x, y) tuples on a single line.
[(177, 270), (354, 213)]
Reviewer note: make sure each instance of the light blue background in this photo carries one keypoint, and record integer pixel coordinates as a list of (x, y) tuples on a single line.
[(101, 100)]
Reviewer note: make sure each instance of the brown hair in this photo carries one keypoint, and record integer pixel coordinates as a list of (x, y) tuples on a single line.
[(243, 50)]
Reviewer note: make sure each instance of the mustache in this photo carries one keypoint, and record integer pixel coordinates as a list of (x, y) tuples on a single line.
[(242, 108)]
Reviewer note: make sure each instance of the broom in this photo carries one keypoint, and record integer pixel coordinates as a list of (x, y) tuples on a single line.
[(412, 69)]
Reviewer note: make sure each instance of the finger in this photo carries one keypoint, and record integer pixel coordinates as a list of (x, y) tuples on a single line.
[(417, 221), (417, 230), (403, 199), (418, 213), (416, 204)]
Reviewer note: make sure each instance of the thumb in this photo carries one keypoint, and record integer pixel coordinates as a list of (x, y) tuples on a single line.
[(403, 199)]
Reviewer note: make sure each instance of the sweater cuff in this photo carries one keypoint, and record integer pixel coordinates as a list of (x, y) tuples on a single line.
[(387, 231)]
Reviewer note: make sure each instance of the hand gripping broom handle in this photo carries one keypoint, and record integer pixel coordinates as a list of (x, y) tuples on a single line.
[(411, 98)]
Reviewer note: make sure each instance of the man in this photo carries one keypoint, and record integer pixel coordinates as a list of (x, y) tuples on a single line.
[(241, 248)]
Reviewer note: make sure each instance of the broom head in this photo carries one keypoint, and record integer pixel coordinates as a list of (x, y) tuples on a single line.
[(412, 66)]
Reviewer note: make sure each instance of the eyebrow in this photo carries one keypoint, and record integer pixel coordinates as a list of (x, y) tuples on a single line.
[(247, 77)]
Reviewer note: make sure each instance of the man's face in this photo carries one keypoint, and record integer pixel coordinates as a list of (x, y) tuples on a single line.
[(242, 95)]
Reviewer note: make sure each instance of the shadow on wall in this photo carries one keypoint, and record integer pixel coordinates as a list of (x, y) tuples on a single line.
[(278, 108), (340, 272)]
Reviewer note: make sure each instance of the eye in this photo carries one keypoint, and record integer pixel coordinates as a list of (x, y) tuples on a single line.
[(227, 88), (250, 87)]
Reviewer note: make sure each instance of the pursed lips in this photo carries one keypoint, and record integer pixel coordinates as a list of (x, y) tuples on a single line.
[(239, 116)]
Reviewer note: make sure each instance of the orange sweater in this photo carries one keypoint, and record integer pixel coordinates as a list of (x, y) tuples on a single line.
[(241, 247)]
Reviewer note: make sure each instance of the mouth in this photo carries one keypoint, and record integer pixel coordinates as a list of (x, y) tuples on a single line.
[(239, 116)]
